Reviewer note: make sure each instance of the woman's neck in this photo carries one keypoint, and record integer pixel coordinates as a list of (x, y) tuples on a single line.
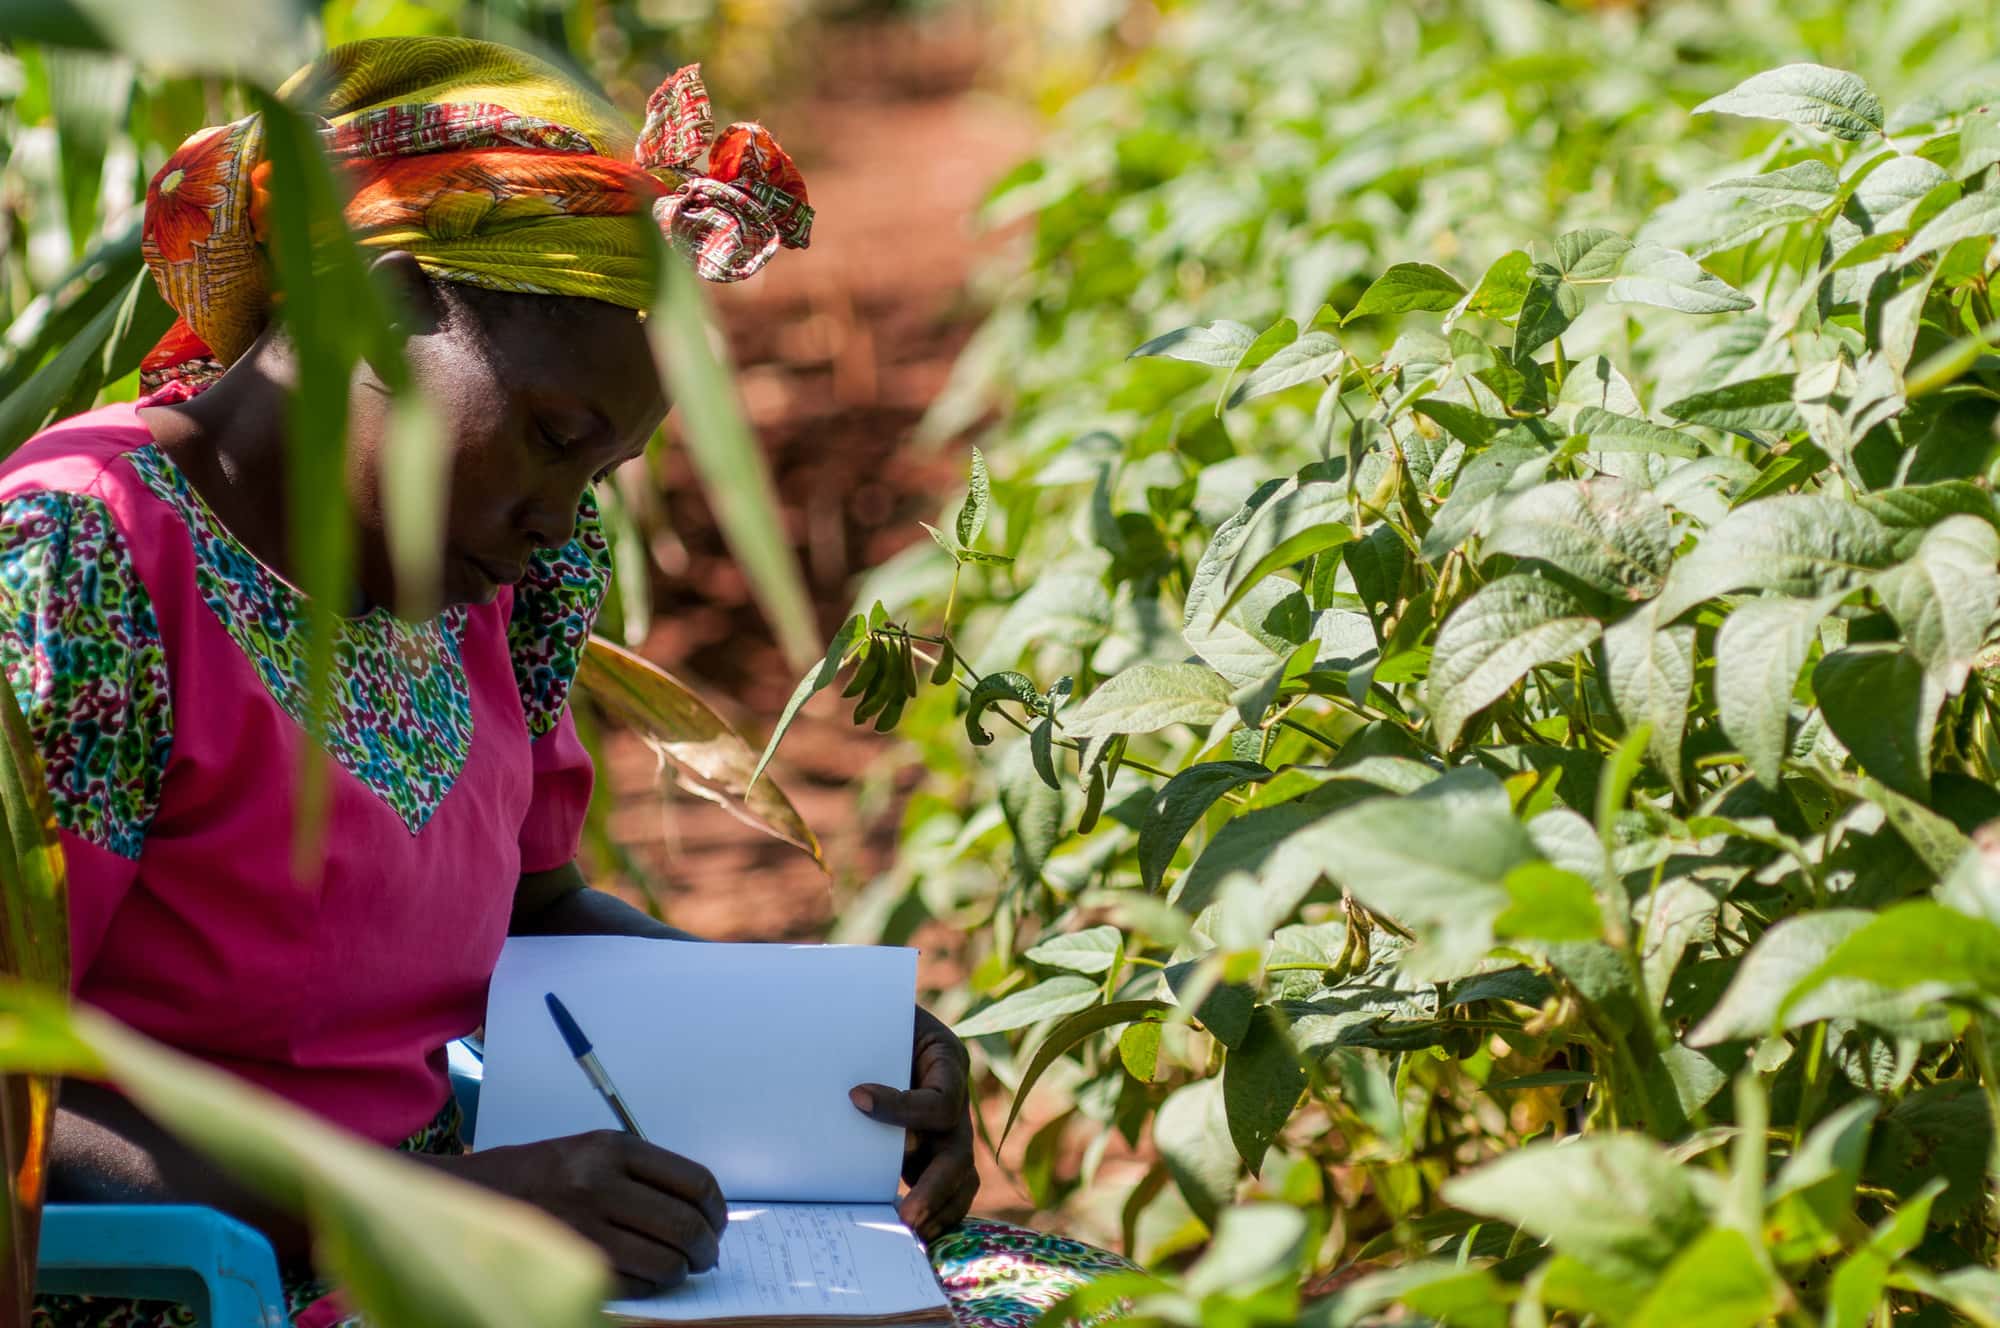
[(229, 442)]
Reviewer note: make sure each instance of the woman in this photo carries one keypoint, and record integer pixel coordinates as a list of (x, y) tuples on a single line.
[(154, 640)]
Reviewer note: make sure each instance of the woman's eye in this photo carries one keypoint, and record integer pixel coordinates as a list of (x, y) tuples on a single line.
[(552, 437)]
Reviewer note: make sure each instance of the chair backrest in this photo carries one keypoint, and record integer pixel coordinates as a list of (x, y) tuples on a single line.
[(217, 1266)]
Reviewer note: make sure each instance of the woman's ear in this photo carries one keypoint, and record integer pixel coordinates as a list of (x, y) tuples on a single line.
[(413, 300)]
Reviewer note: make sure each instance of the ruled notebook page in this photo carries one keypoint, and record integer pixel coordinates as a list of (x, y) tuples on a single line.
[(805, 1261)]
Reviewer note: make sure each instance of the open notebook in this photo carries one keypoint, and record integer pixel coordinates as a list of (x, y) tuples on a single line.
[(740, 1057)]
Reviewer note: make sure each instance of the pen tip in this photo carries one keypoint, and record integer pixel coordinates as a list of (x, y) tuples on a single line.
[(579, 1045)]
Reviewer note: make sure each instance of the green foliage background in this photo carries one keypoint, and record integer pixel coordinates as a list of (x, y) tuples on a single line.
[(1483, 578)]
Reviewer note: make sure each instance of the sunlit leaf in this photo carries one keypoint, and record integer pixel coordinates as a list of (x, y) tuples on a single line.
[(708, 757), (1805, 94)]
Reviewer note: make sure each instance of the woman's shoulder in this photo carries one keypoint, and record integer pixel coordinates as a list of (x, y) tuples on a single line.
[(77, 455)]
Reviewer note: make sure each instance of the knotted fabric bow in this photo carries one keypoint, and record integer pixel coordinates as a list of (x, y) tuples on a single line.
[(730, 218), (490, 167)]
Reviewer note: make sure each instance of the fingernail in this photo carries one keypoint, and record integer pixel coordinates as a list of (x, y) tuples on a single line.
[(862, 1099)]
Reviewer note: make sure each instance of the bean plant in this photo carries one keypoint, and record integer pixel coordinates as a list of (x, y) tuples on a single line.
[(1492, 775)]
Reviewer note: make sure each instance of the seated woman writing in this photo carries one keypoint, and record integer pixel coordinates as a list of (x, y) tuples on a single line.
[(158, 648)]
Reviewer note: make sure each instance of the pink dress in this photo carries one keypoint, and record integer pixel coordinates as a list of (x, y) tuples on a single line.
[(163, 671)]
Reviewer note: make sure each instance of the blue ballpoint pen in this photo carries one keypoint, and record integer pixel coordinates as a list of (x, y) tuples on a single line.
[(586, 1059)]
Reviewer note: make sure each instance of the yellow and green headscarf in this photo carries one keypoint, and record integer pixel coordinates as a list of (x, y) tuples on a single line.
[(490, 167)]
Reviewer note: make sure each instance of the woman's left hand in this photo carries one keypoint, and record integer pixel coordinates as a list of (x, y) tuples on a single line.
[(937, 1152)]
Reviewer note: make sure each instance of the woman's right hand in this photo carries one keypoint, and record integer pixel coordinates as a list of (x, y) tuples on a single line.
[(657, 1216)]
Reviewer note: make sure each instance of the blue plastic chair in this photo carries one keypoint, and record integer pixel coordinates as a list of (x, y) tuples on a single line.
[(225, 1271)]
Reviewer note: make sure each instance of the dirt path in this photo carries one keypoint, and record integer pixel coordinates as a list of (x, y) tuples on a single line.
[(841, 349)]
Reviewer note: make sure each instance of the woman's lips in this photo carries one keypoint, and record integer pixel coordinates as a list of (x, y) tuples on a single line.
[(500, 574)]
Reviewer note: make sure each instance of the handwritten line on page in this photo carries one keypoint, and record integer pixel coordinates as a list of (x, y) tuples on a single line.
[(797, 1261)]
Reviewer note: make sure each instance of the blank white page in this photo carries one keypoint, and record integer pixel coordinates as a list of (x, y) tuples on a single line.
[(804, 1261), (738, 1056)]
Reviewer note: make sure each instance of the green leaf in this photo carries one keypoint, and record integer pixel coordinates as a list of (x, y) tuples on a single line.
[(1920, 943), (1978, 141), (1623, 433), (1943, 1131), (1220, 343), (1547, 310), (1972, 1291), (1289, 529), (1650, 673), (1092, 950), (991, 690), (1804, 94), (1051, 999), (1150, 696), (1139, 1051), (1180, 803), (1408, 287), (1502, 288), (1034, 812), (822, 674), (1670, 279), (1878, 701), (1261, 1083), (1225, 1009), (1812, 1200), (978, 495), (1946, 596), (1249, 642), (1313, 357), (1255, 1245), (1717, 1282), (1548, 904), (1609, 534), (1268, 343), (1192, 1133), (1449, 888), (1753, 405), (735, 477), (251, 39), (1802, 190), (1616, 1203), (1854, 1292), (1478, 492), (1592, 254), (410, 1247), (1976, 216), (1460, 421), (1509, 627), (1780, 960), (708, 757), (1918, 507), (1758, 654), (1070, 1033), (1795, 544)]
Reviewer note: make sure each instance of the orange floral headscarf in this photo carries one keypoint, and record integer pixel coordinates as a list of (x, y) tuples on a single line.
[(490, 167)]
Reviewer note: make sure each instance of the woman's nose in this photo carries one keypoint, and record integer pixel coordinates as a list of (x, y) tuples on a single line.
[(548, 525)]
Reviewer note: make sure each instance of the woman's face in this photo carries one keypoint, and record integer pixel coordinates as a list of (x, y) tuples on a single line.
[(539, 396)]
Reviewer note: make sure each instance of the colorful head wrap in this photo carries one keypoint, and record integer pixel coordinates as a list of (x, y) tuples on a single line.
[(490, 167)]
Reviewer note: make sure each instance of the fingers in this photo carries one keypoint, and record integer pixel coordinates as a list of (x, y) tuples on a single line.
[(930, 1223), (943, 1193), (927, 1110), (665, 1220), (676, 1175), (642, 1266)]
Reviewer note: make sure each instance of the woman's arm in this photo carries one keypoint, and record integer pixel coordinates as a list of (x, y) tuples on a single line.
[(560, 903), (105, 1150)]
